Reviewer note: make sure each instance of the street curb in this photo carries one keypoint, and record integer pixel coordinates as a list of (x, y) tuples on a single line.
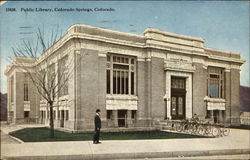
[(17, 139), (142, 155)]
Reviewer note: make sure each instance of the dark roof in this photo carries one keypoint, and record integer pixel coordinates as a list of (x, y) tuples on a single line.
[(244, 99)]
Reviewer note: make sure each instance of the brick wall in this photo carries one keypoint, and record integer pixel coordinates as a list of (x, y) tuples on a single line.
[(91, 88), (142, 93), (235, 96), (199, 90), (157, 88), (18, 99)]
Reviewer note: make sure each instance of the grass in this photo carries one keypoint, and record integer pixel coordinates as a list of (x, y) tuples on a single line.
[(43, 135), (247, 127)]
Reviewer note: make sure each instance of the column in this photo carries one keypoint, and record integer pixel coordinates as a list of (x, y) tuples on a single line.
[(168, 94), (115, 115), (129, 120), (212, 115)]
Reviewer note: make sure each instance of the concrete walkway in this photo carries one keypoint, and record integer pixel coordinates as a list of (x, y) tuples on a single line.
[(238, 142)]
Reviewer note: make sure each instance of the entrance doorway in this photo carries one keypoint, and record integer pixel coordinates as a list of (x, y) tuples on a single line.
[(122, 118), (178, 98)]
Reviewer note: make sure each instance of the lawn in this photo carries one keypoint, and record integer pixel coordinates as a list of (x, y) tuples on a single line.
[(43, 135)]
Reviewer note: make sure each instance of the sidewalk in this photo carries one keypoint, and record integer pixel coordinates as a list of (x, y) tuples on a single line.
[(238, 142)]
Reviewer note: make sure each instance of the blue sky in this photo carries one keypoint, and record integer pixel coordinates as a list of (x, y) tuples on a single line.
[(223, 25)]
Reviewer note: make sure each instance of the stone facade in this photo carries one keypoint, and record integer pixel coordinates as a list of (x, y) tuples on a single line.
[(134, 80)]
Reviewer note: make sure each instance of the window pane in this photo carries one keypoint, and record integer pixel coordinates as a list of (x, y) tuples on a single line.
[(126, 60), (109, 114), (114, 82), (118, 82), (180, 106), (108, 81), (173, 101), (178, 83), (118, 59), (58, 114), (67, 114), (26, 114), (126, 82), (54, 114), (214, 90), (214, 76), (132, 82), (132, 61), (120, 66), (62, 76), (122, 82), (133, 115), (26, 92)]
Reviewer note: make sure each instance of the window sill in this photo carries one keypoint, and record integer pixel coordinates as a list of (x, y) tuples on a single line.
[(208, 99), (63, 98), (121, 97)]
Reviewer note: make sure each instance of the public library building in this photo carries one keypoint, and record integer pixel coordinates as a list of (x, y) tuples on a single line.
[(134, 80)]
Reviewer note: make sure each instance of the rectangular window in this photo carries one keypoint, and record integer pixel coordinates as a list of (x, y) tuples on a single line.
[(54, 114), (12, 89), (109, 114), (26, 92), (26, 114), (132, 82), (25, 88), (178, 83), (121, 70), (215, 82), (48, 116), (58, 114), (51, 76), (133, 114), (114, 82), (208, 114), (63, 76), (108, 81), (42, 112), (42, 76), (67, 115)]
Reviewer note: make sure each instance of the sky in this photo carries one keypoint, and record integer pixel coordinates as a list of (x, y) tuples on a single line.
[(224, 25)]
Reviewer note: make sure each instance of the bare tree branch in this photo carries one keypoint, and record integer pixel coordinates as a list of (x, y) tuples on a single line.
[(48, 80)]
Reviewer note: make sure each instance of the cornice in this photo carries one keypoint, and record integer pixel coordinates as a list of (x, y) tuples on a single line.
[(179, 36), (73, 34), (220, 58), (87, 27), (220, 51), (11, 67)]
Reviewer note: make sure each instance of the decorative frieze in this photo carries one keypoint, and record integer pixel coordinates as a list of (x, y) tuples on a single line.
[(179, 65)]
